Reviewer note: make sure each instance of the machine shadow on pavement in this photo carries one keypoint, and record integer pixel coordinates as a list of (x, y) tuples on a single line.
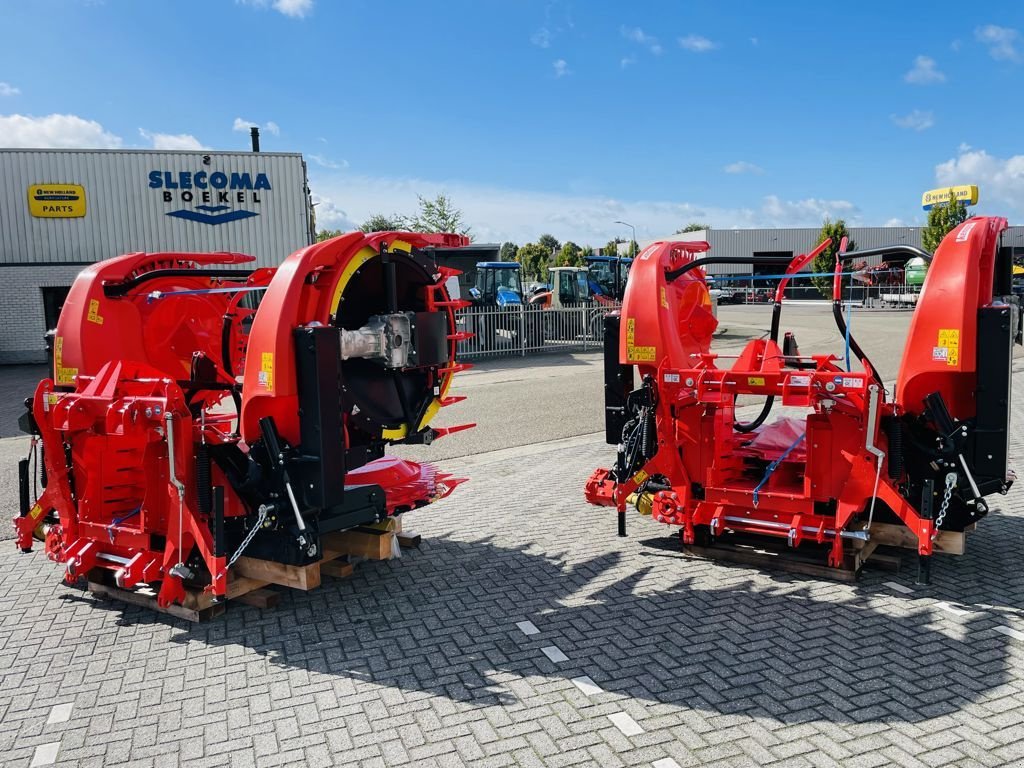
[(442, 621)]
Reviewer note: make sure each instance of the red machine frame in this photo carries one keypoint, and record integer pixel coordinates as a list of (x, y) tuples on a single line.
[(146, 361), (693, 465)]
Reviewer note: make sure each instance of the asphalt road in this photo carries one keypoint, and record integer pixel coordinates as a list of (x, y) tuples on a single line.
[(529, 400)]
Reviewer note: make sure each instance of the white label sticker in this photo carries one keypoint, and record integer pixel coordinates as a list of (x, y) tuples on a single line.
[(799, 381), (672, 378), (940, 353), (850, 381), (965, 231)]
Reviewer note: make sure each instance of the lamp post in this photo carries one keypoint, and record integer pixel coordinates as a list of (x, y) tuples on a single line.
[(627, 224)]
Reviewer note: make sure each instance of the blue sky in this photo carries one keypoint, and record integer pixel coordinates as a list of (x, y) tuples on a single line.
[(549, 116)]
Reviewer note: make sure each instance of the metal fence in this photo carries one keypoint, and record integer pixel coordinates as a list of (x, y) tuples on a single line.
[(760, 290), (522, 330)]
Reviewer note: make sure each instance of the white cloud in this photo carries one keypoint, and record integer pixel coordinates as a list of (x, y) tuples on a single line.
[(916, 120), (1001, 180), (541, 38), (637, 35), (297, 9), (627, 61), (171, 140), (924, 72), (697, 44), (561, 68), (325, 162), (1001, 42), (742, 166), (55, 131), (895, 223), (244, 125), (497, 214), (330, 216), (6, 89)]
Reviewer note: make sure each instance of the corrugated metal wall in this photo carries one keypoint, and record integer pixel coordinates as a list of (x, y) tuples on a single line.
[(125, 214)]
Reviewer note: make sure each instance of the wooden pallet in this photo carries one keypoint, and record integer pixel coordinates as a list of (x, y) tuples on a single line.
[(811, 559), (249, 579)]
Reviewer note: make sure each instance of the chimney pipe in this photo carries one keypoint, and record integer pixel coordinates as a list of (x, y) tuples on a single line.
[(255, 133)]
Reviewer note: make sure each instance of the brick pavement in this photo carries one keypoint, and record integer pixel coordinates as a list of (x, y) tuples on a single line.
[(419, 661)]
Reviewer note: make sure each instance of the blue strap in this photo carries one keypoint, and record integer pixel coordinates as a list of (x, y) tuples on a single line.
[(118, 520), (775, 465)]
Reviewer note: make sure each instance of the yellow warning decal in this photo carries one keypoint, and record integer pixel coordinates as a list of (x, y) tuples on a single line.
[(664, 298), (755, 381), (948, 346), (267, 371), (94, 315), (635, 354), (36, 512), (639, 477), (64, 375)]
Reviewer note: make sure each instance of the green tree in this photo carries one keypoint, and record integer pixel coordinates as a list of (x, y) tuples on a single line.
[(588, 251), (327, 234), (549, 242), (439, 215), (535, 260), (381, 222), (942, 219), (611, 248), (634, 249), (508, 251), (693, 226), (824, 263), (571, 255)]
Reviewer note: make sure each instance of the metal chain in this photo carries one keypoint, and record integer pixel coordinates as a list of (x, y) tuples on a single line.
[(249, 536), (946, 496)]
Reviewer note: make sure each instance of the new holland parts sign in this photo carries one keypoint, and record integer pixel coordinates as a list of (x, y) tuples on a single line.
[(211, 196), (56, 201)]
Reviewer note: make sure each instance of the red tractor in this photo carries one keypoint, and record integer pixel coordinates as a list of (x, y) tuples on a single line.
[(865, 464)]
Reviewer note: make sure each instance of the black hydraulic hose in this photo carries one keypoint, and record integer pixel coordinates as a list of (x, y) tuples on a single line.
[(837, 313), (672, 274), (115, 290), (770, 400), (910, 251), (225, 344)]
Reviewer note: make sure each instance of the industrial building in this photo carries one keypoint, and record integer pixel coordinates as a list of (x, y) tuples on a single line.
[(61, 210), (790, 242)]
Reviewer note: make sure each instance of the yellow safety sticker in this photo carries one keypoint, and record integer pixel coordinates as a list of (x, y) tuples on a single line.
[(267, 371), (36, 512), (664, 298), (64, 375), (639, 477), (94, 312), (635, 354), (755, 381), (948, 346)]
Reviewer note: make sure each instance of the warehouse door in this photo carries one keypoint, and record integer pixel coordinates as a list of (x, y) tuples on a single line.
[(53, 300)]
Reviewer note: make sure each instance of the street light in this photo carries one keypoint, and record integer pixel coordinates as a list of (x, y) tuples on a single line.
[(627, 224)]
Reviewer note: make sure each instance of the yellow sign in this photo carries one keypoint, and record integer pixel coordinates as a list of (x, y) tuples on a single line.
[(948, 347), (266, 376), (94, 315), (635, 354), (56, 201), (64, 375), (965, 193), (755, 381)]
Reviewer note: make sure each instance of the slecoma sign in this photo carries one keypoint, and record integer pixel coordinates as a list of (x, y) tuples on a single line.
[(211, 194)]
